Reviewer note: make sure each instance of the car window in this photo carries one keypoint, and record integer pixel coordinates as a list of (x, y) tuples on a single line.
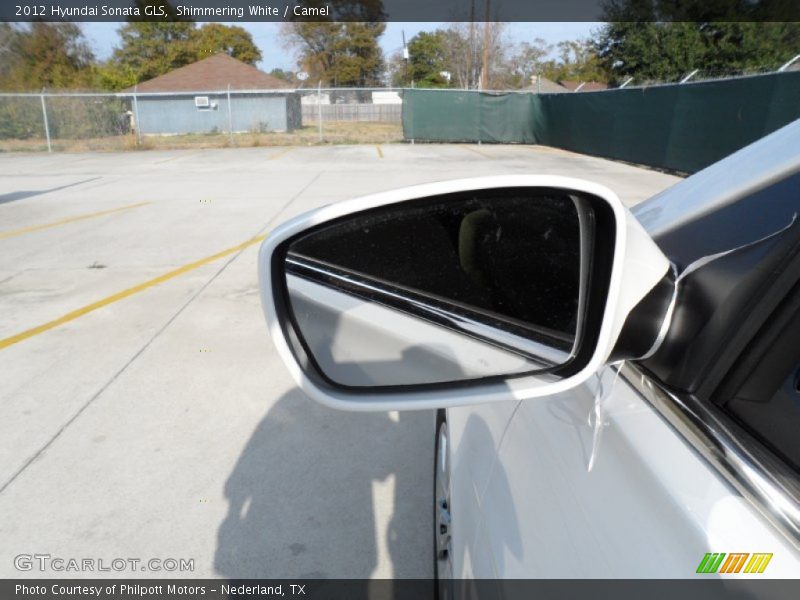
[(763, 393)]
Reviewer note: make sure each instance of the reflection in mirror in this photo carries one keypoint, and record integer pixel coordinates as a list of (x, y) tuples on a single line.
[(448, 288)]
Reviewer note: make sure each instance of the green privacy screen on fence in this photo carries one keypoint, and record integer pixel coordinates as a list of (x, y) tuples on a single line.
[(464, 116), (679, 127)]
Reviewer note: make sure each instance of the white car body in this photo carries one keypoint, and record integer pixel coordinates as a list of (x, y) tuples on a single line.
[(525, 503)]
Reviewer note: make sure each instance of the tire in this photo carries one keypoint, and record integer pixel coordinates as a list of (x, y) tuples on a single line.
[(442, 551)]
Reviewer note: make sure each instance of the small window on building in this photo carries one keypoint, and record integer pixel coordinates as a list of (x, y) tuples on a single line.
[(202, 103)]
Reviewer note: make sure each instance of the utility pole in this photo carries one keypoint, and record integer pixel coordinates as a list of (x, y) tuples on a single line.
[(406, 55), (486, 50), (471, 49)]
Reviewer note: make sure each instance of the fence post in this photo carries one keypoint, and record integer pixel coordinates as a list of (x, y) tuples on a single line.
[(230, 115), (46, 126), (689, 76), (319, 108), (410, 116), (136, 116), (789, 64), (480, 115)]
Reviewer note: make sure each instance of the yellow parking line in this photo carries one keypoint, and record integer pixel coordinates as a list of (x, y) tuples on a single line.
[(15, 232), (477, 152), (71, 316), (380, 151), (279, 154)]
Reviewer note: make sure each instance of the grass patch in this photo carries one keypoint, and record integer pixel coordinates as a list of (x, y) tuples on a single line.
[(333, 132)]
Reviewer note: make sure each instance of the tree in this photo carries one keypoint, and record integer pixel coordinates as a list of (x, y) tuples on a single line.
[(51, 55), (661, 41), (54, 56), (283, 75), (466, 47), (341, 49), (213, 38), (111, 76), (463, 54), (526, 61), (151, 48), (7, 40), (458, 50), (427, 58), (8, 54), (577, 61), (338, 53), (515, 67)]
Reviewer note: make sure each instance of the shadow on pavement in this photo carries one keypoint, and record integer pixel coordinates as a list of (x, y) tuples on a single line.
[(301, 495)]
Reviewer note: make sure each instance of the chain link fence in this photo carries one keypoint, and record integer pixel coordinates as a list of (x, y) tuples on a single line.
[(87, 121), (50, 122), (712, 74)]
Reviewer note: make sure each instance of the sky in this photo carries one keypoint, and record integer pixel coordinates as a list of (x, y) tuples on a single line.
[(103, 37)]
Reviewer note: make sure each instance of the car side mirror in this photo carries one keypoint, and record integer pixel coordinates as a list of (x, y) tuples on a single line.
[(455, 293)]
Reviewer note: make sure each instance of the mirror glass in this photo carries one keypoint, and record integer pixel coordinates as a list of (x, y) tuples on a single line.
[(448, 288)]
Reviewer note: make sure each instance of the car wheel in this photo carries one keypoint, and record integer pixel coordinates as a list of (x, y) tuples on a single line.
[(442, 547)]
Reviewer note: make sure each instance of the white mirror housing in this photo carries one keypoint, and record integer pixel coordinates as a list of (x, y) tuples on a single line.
[(636, 266)]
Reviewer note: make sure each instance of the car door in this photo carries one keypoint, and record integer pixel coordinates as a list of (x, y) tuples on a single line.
[(650, 506)]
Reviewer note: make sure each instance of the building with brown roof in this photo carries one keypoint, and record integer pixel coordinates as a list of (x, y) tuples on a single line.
[(214, 73), (216, 94)]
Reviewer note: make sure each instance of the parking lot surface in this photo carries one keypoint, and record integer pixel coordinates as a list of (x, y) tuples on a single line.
[(143, 411)]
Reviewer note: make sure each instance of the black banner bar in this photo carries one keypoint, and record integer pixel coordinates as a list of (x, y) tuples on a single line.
[(399, 10), (701, 588)]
